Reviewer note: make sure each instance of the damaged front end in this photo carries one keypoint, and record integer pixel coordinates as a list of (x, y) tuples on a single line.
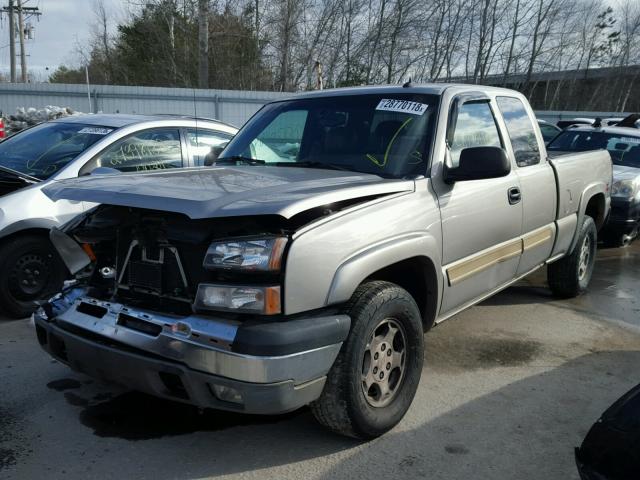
[(187, 309)]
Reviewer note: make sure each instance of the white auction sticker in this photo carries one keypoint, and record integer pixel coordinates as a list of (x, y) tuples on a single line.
[(96, 130), (403, 106), (630, 139)]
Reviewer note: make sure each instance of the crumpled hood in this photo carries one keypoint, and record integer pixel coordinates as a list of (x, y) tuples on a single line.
[(227, 191), (621, 172)]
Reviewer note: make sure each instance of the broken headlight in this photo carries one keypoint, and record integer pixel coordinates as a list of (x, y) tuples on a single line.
[(250, 254)]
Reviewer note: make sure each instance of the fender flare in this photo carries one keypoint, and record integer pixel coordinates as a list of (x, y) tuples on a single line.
[(356, 268), (587, 194)]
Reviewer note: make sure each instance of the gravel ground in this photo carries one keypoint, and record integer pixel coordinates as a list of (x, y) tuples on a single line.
[(509, 388)]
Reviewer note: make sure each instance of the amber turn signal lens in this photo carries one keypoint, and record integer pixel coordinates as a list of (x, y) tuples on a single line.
[(89, 251), (272, 301)]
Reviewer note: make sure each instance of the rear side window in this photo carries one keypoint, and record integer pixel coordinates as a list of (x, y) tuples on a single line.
[(475, 127), (521, 131), (205, 145)]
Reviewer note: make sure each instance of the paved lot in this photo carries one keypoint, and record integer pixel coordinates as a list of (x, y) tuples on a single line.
[(509, 388)]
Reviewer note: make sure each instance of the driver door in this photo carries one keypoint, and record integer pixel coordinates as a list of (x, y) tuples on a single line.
[(481, 219)]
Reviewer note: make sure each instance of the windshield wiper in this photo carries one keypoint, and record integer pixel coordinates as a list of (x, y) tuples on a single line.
[(315, 164), (239, 160), (23, 176)]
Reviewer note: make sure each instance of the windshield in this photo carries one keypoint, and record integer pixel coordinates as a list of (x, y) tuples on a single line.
[(388, 135), (45, 149), (624, 149)]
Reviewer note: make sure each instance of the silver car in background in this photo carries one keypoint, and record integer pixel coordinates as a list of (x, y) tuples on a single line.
[(70, 147)]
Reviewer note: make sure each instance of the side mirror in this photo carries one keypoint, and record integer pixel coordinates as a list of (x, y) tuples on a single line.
[(477, 163)]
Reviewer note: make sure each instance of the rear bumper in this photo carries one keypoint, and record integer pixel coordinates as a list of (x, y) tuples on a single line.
[(251, 367)]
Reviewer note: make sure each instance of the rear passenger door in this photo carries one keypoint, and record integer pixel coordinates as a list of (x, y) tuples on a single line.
[(146, 150), (537, 183), (481, 224)]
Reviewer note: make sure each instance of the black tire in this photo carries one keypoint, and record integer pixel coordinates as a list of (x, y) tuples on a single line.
[(343, 406), (30, 271), (566, 277)]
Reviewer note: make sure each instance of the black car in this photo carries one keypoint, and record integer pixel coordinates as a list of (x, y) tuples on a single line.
[(548, 130), (611, 449), (623, 144)]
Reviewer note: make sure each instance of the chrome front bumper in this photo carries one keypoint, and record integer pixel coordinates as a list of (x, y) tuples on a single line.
[(197, 351)]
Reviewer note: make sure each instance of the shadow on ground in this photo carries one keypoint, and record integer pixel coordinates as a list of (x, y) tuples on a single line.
[(492, 436)]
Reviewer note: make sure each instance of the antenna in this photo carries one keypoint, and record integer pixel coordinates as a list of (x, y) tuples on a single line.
[(407, 84)]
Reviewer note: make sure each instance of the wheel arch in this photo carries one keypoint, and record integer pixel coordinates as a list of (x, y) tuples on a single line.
[(31, 226), (33, 231), (411, 263), (595, 207), (593, 203)]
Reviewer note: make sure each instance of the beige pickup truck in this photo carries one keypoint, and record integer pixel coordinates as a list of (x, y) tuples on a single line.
[(334, 230)]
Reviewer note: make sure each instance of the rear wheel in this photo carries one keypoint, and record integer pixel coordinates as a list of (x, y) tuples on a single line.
[(375, 377), (570, 276), (30, 271)]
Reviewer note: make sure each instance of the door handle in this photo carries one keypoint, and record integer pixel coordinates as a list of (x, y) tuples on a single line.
[(514, 195)]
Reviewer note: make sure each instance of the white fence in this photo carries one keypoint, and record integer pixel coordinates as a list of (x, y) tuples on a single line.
[(231, 106)]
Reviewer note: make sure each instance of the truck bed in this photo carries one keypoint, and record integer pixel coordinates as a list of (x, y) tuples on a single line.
[(578, 173)]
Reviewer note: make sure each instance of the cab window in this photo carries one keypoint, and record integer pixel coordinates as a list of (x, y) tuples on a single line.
[(475, 127), (521, 131)]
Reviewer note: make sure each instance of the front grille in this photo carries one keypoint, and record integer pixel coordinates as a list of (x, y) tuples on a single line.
[(620, 210)]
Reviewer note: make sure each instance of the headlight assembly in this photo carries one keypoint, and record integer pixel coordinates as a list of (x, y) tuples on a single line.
[(250, 254), (253, 299), (624, 188)]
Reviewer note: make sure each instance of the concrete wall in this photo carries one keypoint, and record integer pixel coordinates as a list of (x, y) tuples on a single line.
[(231, 106)]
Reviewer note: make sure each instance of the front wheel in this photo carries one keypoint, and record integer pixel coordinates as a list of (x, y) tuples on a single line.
[(30, 271), (570, 276), (375, 377)]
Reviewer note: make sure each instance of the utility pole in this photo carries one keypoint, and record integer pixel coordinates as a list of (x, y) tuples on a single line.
[(23, 54), (12, 41), (13, 7), (203, 43)]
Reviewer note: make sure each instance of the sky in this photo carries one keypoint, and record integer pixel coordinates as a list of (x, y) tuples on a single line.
[(63, 25)]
